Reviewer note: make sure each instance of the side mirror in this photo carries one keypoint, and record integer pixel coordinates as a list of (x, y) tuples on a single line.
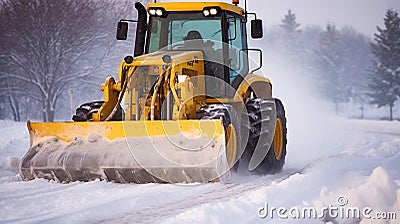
[(122, 30), (256, 29)]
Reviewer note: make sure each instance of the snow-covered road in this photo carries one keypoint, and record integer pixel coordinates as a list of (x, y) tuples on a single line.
[(357, 162)]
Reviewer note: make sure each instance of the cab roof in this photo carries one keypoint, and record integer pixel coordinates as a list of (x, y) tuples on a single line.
[(195, 6)]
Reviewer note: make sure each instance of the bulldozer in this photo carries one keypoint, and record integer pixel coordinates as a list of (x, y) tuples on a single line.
[(185, 107)]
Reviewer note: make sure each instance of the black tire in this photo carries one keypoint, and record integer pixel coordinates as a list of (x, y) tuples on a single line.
[(85, 111), (229, 116), (270, 164)]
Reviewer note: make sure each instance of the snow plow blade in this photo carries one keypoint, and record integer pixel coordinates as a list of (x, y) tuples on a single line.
[(183, 151)]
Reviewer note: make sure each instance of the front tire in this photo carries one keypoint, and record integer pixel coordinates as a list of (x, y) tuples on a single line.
[(231, 126), (275, 158)]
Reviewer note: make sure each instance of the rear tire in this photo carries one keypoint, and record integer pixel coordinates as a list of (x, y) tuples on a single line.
[(85, 111), (275, 158)]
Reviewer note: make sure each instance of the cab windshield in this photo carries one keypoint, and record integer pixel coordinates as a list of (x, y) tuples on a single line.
[(171, 31)]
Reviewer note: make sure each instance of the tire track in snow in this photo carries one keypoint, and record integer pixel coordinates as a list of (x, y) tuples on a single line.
[(219, 192)]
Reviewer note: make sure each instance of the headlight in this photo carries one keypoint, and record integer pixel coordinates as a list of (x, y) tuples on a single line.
[(152, 12), (211, 11), (159, 12)]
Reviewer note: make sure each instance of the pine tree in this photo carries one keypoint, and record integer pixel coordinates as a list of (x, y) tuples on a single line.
[(291, 33), (289, 23), (385, 74)]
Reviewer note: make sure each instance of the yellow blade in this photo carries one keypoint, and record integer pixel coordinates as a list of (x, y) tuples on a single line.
[(132, 151)]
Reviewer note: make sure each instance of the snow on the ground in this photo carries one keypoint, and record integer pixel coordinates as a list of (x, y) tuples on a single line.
[(362, 169), (14, 140), (353, 161)]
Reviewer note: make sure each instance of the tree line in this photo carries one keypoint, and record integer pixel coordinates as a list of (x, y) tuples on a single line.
[(345, 65)]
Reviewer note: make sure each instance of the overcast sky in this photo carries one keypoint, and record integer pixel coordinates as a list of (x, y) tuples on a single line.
[(364, 15)]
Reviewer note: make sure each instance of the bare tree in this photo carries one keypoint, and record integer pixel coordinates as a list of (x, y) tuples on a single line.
[(48, 47)]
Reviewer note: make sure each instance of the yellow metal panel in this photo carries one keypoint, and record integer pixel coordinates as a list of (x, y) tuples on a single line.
[(250, 80), (69, 131), (218, 100), (196, 6)]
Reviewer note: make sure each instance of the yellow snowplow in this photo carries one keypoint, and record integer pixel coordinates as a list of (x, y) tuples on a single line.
[(185, 107)]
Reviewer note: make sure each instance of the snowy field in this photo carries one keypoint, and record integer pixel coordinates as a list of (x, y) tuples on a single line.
[(343, 164), (351, 167)]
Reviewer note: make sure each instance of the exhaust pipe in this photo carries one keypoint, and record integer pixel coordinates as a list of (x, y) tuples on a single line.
[(140, 29)]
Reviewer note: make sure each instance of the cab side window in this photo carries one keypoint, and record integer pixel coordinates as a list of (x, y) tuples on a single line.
[(238, 64)]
